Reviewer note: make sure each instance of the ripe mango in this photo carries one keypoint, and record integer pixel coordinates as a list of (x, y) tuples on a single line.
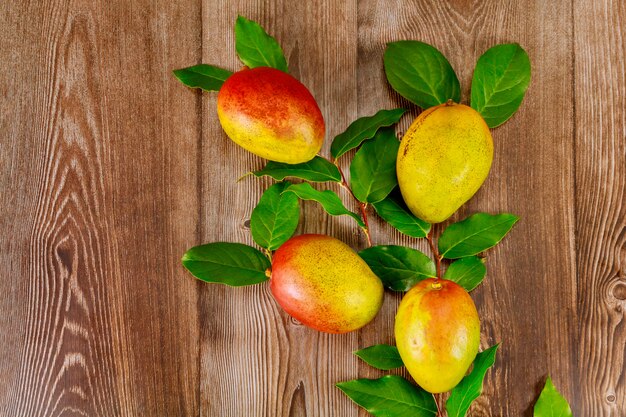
[(437, 333), (444, 158), (271, 114), (324, 284)]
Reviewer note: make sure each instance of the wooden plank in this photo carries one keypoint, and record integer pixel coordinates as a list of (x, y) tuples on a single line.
[(599, 50), (102, 209), (256, 361), (527, 301)]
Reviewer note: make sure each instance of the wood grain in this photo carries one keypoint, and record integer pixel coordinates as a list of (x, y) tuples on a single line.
[(111, 170)]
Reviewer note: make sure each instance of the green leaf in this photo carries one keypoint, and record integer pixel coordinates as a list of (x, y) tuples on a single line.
[(471, 386), (390, 396), (551, 403), (327, 198), (383, 357), (206, 77), (398, 267), (501, 77), (420, 73), (275, 218), (467, 272), (317, 169), (393, 210), (363, 129), (475, 234), (233, 264), (373, 169), (256, 48)]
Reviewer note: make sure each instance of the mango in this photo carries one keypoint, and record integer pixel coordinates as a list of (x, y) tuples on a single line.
[(444, 158), (437, 333), (324, 284), (271, 114)]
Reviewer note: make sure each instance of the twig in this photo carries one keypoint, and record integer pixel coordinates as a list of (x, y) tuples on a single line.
[(433, 249)]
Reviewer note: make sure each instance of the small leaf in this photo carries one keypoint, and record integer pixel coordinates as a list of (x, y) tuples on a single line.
[(373, 169), (275, 218), (206, 77), (501, 77), (390, 396), (471, 386), (551, 403), (317, 169), (393, 210), (467, 272), (327, 198), (362, 129), (398, 267), (233, 264), (256, 48), (475, 234), (420, 73), (383, 357)]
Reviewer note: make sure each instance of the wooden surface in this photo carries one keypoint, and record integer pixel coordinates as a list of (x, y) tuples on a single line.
[(110, 169)]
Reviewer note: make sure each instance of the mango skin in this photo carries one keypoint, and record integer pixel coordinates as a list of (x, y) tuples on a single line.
[(444, 158), (271, 114), (437, 333), (324, 284)]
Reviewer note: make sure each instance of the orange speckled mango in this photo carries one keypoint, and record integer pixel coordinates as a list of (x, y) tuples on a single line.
[(324, 284), (443, 159), (271, 114), (437, 333)]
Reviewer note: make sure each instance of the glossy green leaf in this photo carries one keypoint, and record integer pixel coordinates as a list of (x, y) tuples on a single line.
[(467, 272), (206, 77), (475, 234), (471, 386), (256, 48), (420, 73), (551, 403), (233, 264), (501, 77), (362, 129), (275, 218), (393, 210), (383, 357), (398, 267), (327, 198), (317, 169), (390, 396), (373, 169)]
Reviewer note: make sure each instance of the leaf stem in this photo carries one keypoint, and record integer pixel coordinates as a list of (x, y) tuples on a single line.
[(362, 206), (435, 252)]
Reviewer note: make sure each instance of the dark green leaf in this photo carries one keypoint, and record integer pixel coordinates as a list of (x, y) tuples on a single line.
[(398, 267), (390, 396), (327, 198), (317, 169), (393, 210), (420, 73), (551, 403), (475, 234), (233, 264), (256, 48), (383, 357), (467, 272), (206, 77), (363, 129), (471, 386), (501, 77), (373, 169), (275, 218)]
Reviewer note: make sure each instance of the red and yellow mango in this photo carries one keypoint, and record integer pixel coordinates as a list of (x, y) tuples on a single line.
[(271, 114), (437, 333), (324, 284)]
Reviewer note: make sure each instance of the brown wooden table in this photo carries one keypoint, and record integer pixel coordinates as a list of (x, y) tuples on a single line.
[(111, 169)]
